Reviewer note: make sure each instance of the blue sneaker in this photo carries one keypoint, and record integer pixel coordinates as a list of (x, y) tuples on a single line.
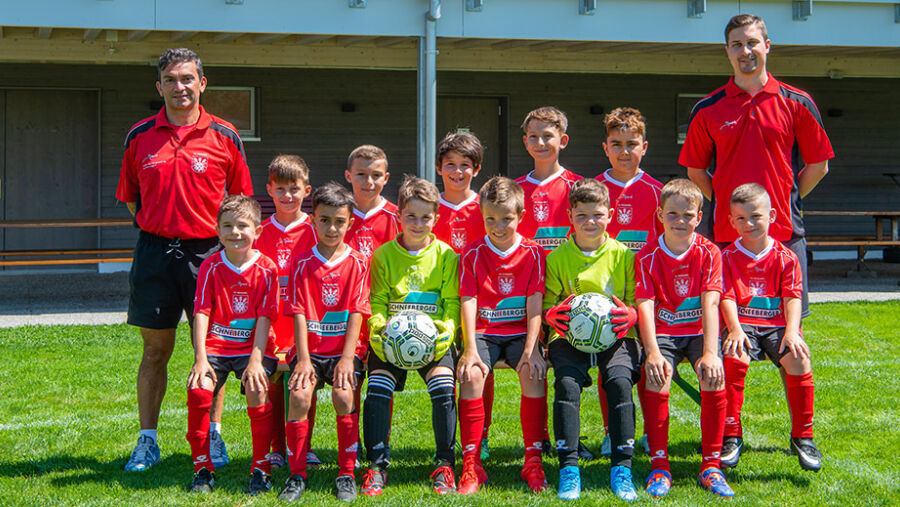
[(569, 483), (659, 482), (620, 483), (144, 455), (713, 480), (217, 452)]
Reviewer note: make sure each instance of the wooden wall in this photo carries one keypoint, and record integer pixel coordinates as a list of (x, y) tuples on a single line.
[(300, 112)]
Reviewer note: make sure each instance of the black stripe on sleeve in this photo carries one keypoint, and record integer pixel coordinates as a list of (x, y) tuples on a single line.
[(231, 135), (138, 129), (804, 100)]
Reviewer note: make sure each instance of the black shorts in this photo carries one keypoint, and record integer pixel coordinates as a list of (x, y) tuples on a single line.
[(324, 368), (798, 246), (676, 348), (492, 348), (571, 362), (163, 279), (223, 365), (765, 342), (399, 374)]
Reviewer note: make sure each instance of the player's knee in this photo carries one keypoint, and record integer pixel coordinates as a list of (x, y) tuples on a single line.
[(199, 398), (381, 386), (618, 390), (343, 401), (795, 366), (567, 390), (441, 388)]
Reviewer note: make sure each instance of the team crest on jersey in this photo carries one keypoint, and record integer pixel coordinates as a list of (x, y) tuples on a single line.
[(284, 257), (682, 285), (414, 282), (331, 293), (541, 210), (757, 286), (198, 164), (505, 283), (458, 238), (366, 245), (240, 302), (624, 213)]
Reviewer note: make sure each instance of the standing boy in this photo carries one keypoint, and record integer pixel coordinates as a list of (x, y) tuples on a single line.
[(375, 218), (591, 261), (679, 282), (288, 231), (501, 293), (761, 308), (236, 300), (413, 271), (329, 294)]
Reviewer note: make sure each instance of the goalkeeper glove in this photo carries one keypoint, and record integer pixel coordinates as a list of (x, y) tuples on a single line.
[(625, 317), (558, 316)]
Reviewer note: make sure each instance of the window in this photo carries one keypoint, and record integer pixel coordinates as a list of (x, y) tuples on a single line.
[(236, 105), (684, 103)]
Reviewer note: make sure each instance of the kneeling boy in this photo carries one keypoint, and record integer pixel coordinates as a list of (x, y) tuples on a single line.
[(236, 301)]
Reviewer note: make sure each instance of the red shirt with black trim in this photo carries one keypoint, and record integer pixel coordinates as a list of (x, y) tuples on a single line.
[(546, 219), (280, 243), (458, 225), (759, 283), (675, 283), (326, 293), (501, 282), (634, 220), (373, 229), (234, 297), (178, 176), (765, 138)]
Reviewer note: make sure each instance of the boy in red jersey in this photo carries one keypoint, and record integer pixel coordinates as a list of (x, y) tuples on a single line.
[(761, 307), (501, 286), (547, 186), (679, 283), (329, 297), (288, 231), (236, 300), (374, 217), (634, 196)]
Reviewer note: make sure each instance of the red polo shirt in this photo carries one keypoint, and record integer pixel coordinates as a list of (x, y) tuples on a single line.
[(761, 139), (179, 181)]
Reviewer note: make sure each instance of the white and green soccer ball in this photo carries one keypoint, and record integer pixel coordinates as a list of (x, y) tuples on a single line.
[(409, 340), (590, 323)]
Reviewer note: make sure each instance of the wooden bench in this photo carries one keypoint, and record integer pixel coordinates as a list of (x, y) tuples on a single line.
[(64, 256), (861, 242)]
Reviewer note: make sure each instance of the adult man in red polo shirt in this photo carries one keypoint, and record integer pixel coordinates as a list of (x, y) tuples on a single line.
[(760, 131), (178, 166)]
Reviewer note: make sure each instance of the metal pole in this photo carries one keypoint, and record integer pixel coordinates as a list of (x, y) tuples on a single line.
[(429, 89), (420, 111)]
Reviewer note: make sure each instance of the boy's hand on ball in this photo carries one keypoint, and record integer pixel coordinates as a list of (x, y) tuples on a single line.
[(624, 316), (558, 316)]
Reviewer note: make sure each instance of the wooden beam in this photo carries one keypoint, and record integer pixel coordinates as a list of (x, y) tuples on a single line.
[(515, 43), (553, 44), (1, 32), (91, 34), (268, 38), (44, 32), (305, 40), (473, 43), (181, 36), (349, 41), (222, 38), (384, 42), (137, 35)]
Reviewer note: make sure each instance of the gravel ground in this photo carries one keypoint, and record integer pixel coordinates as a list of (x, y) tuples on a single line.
[(93, 298)]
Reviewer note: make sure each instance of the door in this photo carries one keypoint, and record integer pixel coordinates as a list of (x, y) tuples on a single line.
[(484, 117), (49, 165)]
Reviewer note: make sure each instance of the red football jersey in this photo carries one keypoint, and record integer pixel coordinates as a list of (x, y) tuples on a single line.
[(502, 282), (546, 217), (675, 283), (373, 229), (634, 202), (326, 293), (280, 243), (759, 283), (234, 297), (458, 225)]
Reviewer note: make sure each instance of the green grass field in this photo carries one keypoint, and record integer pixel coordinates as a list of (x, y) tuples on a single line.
[(68, 421)]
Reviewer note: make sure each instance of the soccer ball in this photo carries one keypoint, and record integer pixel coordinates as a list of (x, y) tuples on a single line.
[(590, 323), (409, 340)]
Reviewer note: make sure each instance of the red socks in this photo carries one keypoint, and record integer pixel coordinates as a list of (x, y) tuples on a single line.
[(276, 397), (297, 432), (656, 424), (735, 372), (348, 441), (261, 431), (199, 402), (488, 396), (533, 414), (712, 427), (471, 426), (800, 391), (604, 405)]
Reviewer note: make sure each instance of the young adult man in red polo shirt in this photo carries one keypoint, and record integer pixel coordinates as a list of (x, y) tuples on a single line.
[(178, 166), (761, 131)]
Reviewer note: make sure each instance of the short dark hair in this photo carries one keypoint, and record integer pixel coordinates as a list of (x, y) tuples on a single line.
[(751, 193), (414, 187), (178, 55), (744, 20), (503, 191), (626, 119), (332, 194), (464, 143), (367, 152), (684, 188), (588, 190), (547, 114), (288, 168), (241, 205)]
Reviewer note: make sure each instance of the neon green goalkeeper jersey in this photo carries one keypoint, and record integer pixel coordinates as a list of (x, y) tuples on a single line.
[(428, 281), (609, 270)]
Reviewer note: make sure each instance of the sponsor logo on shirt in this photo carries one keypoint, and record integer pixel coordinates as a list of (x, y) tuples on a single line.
[(688, 311), (198, 164), (231, 334), (240, 302), (727, 124)]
